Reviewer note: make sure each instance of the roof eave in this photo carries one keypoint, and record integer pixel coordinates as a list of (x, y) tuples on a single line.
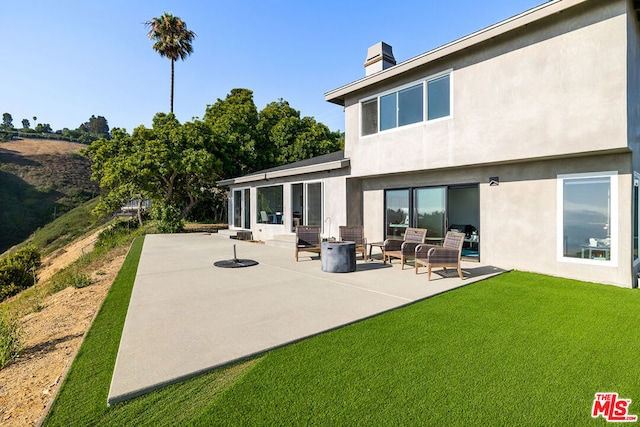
[(303, 170)]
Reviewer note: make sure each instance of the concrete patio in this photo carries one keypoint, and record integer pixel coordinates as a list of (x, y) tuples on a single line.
[(187, 316)]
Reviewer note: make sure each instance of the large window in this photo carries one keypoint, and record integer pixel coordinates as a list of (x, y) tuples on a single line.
[(407, 105), (269, 209), (587, 217)]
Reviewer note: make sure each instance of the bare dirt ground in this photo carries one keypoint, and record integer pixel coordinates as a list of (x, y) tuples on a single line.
[(30, 147), (52, 337)]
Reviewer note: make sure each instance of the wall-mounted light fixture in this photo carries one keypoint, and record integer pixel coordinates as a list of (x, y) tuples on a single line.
[(494, 181)]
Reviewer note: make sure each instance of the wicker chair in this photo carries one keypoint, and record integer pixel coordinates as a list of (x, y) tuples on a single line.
[(447, 255), (406, 248), (308, 239), (355, 234)]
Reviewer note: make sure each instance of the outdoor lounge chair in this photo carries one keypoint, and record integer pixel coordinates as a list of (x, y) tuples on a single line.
[(308, 239), (406, 248), (355, 234), (447, 255)]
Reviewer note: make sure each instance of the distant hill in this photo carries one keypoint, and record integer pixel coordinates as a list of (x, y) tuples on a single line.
[(39, 180)]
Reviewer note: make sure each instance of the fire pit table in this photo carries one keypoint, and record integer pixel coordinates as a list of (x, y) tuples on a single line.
[(338, 257)]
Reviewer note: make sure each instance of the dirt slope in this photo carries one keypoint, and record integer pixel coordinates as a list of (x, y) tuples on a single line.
[(53, 336)]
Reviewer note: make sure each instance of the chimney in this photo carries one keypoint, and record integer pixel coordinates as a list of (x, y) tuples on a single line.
[(379, 57)]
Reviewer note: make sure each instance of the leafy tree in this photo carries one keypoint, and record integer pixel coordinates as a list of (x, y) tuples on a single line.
[(169, 164), (18, 271), (25, 124), (43, 128), (87, 132), (269, 117), (7, 121), (287, 138), (96, 126), (171, 40), (233, 125)]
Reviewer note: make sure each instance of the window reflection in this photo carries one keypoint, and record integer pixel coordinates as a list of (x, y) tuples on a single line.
[(397, 213), (587, 218), (269, 205), (438, 98)]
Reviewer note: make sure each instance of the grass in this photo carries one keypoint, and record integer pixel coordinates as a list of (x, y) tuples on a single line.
[(517, 349), (85, 382), (111, 243), (10, 338), (66, 228), (36, 188)]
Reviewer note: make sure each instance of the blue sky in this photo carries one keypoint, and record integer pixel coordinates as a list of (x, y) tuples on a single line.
[(66, 60)]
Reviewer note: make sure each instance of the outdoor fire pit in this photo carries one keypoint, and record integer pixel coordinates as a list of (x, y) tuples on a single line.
[(338, 257), (235, 262)]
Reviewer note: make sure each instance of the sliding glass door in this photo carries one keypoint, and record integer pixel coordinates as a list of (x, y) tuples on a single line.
[(242, 208), (237, 208), (430, 210), (438, 209), (397, 217), (306, 204)]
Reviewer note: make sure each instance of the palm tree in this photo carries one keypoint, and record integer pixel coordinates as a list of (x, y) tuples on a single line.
[(172, 39)]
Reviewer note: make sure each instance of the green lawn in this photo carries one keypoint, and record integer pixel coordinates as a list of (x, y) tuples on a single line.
[(517, 349)]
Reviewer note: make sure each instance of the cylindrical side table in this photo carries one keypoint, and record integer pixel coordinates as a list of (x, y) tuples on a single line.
[(338, 257)]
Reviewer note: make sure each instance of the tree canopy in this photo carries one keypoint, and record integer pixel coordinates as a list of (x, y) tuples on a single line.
[(176, 165), (168, 163)]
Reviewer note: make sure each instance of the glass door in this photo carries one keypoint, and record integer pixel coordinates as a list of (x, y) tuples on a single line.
[(463, 213), (306, 204), (246, 207), (430, 211), (241, 208), (438, 209), (237, 208), (297, 205), (314, 203), (396, 216)]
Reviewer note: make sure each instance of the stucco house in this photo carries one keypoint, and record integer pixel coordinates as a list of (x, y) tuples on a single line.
[(525, 135)]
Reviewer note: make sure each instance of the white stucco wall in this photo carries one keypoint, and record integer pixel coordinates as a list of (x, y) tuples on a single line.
[(333, 195), (518, 218), (556, 87)]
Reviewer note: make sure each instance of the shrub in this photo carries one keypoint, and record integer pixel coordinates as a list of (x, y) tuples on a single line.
[(18, 271), (116, 235), (80, 280), (10, 339), (167, 218), (69, 277)]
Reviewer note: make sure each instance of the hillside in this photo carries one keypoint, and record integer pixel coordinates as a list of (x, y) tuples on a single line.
[(39, 180)]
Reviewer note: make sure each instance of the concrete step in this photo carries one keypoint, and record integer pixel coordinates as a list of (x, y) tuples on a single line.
[(228, 233), (236, 234)]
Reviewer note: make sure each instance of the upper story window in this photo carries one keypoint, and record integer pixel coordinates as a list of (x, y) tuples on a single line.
[(407, 105), (438, 98)]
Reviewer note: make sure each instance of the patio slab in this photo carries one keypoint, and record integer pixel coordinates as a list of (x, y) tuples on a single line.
[(186, 316)]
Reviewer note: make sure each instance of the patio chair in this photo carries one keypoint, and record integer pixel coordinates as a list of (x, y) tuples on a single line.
[(447, 255), (355, 234), (308, 239), (406, 248)]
